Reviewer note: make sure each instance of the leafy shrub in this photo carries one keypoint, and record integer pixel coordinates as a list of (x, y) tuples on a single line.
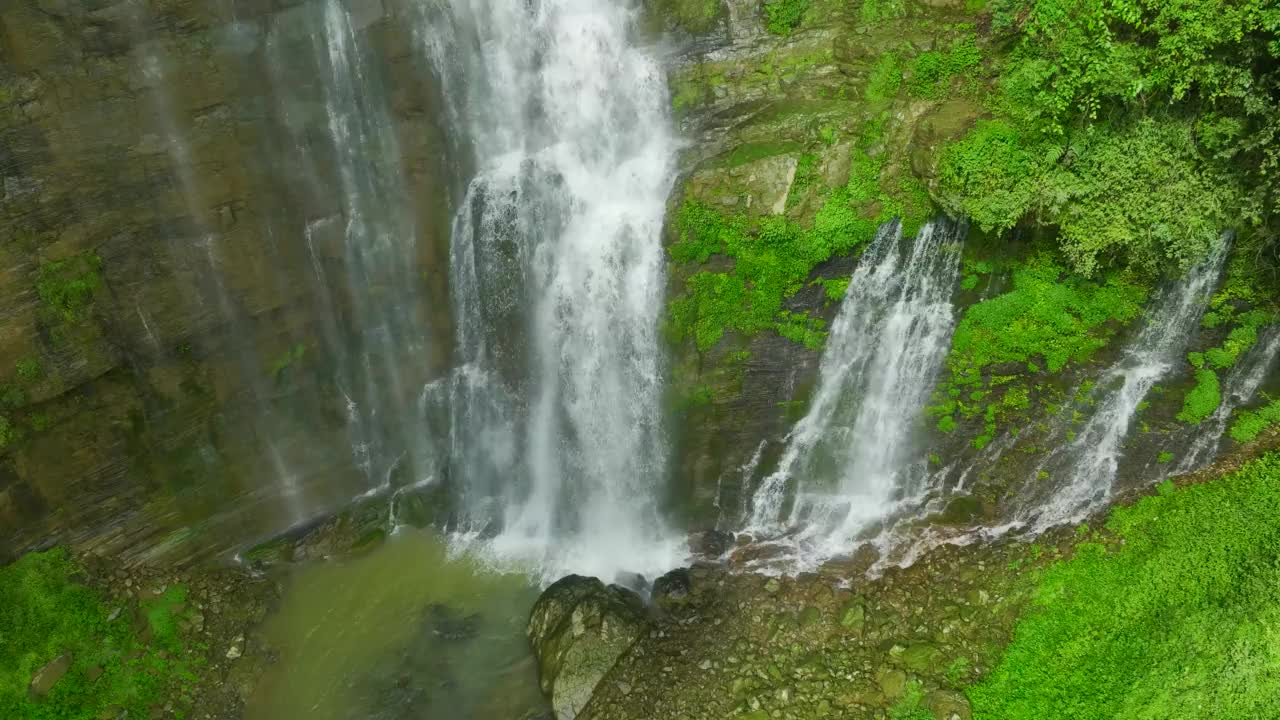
[(1203, 399), (783, 16), (67, 286), (1248, 424), (931, 71)]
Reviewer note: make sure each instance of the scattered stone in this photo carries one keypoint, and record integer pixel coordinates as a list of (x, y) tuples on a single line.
[(49, 675), (237, 648), (948, 705), (893, 683)]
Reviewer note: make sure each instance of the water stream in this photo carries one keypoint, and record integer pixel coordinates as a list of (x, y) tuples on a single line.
[(557, 451), (1083, 471), (852, 461)]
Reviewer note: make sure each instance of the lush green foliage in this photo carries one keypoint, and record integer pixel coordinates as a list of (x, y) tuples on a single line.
[(1203, 399), (67, 286), (1097, 189), (45, 612), (1101, 103), (1173, 613), (783, 16), (1048, 319), (1248, 424), (933, 71)]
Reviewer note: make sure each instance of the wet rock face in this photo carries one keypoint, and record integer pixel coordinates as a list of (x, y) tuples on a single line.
[(161, 317), (579, 628)]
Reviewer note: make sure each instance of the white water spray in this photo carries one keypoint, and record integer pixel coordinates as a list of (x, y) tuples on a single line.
[(557, 450), (850, 462), (1084, 470)]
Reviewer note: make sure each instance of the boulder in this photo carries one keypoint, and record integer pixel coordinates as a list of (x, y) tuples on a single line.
[(49, 675), (672, 589), (948, 705), (578, 629), (711, 543)]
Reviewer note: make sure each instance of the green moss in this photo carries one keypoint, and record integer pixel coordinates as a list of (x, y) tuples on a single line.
[(885, 78), (876, 11), (1164, 458), (1170, 613), (67, 287), (751, 152), (9, 433), (783, 16), (774, 256), (287, 360), (1248, 424), (29, 369), (1050, 318), (911, 705), (1203, 399), (932, 72), (45, 612)]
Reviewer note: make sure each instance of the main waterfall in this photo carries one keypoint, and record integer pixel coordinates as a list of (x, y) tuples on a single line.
[(556, 447)]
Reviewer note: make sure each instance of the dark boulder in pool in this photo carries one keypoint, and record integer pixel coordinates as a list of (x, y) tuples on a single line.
[(579, 628)]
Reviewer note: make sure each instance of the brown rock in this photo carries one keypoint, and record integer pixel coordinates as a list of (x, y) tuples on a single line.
[(49, 675)]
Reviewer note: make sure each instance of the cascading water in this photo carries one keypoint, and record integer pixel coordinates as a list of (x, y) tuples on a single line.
[(377, 236), (849, 462), (556, 445), (1238, 388), (1084, 470)]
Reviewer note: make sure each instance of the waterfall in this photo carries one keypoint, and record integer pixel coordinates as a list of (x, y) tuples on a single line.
[(1083, 470), (1238, 388), (556, 444), (851, 462)]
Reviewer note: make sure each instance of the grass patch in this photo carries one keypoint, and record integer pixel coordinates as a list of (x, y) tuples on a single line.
[(46, 612), (1174, 612)]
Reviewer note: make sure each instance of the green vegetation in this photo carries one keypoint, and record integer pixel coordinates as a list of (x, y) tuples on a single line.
[(1248, 424), (1203, 399), (1049, 319), (287, 360), (9, 434), (783, 16), (45, 613), (933, 71), (874, 11), (885, 78), (29, 369), (1164, 458), (1098, 103), (774, 256), (911, 705), (1171, 612), (67, 286)]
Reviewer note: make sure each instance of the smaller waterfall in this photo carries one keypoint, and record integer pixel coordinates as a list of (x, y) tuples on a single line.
[(849, 462), (1239, 387), (1084, 470)]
